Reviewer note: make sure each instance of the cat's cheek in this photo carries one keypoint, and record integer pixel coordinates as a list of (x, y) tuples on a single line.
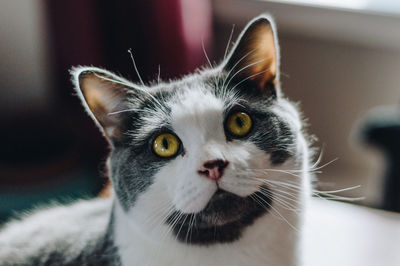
[(247, 163), (239, 186), (193, 198), (185, 189)]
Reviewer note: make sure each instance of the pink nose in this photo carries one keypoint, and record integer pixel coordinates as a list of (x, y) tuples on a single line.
[(214, 169)]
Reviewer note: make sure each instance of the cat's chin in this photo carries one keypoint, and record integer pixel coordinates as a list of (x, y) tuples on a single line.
[(222, 220), (224, 207)]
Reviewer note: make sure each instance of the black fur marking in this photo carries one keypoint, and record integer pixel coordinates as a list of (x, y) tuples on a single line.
[(133, 163), (132, 172), (268, 131), (222, 220), (249, 88), (273, 136), (133, 122)]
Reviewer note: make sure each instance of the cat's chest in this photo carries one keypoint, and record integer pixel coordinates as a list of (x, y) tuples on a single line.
[(266, 242)]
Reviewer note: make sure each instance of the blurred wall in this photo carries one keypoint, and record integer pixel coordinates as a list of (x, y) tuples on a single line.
[(50, 148), (337, 75), (338, 65), (24, 83), (338, 83)]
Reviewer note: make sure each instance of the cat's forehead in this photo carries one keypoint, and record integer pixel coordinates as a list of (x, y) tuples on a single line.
[(179, 105), (194, 101), (200, 98), (196, 111)]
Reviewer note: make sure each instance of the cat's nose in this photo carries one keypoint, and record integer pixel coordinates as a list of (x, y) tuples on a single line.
[(213, 169)]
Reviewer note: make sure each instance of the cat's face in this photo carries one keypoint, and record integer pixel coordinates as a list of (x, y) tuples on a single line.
[(202, 155)]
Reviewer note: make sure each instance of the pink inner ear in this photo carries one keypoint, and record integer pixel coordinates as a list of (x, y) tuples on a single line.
[(265, 52), (256, 55), (103, 98)]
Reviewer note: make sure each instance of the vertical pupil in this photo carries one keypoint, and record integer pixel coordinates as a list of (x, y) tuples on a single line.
[(165, 143), (239, 121)]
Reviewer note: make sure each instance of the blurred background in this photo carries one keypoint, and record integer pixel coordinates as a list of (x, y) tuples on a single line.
[(340, 60)]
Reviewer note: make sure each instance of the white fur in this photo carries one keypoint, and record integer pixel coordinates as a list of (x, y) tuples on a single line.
[(72, 228), (141, 234), (197, 118)]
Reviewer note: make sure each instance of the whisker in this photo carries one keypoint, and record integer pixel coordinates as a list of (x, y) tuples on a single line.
[(327, 195), (265, 170), (278, 199), (350, 199), (136, 69), (229, 41), (233, 67), (288, 196), (318, 159), (180, 228), (243, 68), (280, 215), (145, 111), (338, 190), (324, 165), (171, 226), (189, 227), (135, 88), (208, 60), (174, 221), (154, 219), (159, 74), (260, 203), (194, 224), (283, 193), (249, 77), (205, 53)]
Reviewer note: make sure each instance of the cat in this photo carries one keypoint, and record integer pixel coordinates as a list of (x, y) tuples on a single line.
[(211, 169)]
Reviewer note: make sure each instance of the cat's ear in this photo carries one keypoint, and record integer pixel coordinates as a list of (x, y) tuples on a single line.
[(255, 56), (104, 95)]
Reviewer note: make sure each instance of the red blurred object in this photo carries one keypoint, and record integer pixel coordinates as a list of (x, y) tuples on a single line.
[(165, 34), (168, 33)]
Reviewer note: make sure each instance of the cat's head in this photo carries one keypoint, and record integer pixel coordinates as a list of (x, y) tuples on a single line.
[(203, 155)]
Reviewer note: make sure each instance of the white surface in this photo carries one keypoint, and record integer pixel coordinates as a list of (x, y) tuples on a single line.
[(370, 27), (339, 234), (371, 6)]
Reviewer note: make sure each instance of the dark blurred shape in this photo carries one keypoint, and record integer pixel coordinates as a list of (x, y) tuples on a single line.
[(381, 128), (43, 160), (100, 33), (58, 153)]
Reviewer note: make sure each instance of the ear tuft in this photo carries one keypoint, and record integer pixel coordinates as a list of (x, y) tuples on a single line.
[(255, 57)]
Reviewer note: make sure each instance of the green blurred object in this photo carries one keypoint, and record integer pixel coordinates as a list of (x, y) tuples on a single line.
[(75, 185)]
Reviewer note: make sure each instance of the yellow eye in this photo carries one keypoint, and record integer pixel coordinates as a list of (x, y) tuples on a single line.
[(166, 145), (239, 124)]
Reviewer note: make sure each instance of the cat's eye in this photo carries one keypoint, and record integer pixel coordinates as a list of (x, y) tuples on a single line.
[(166, 145), (239, 124)]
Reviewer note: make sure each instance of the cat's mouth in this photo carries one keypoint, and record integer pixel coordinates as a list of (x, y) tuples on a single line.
[(222, 220), (224, 207)]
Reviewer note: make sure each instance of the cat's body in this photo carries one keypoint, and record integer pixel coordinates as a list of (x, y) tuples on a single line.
[(212, 169), (64, 240), (63, 235)]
